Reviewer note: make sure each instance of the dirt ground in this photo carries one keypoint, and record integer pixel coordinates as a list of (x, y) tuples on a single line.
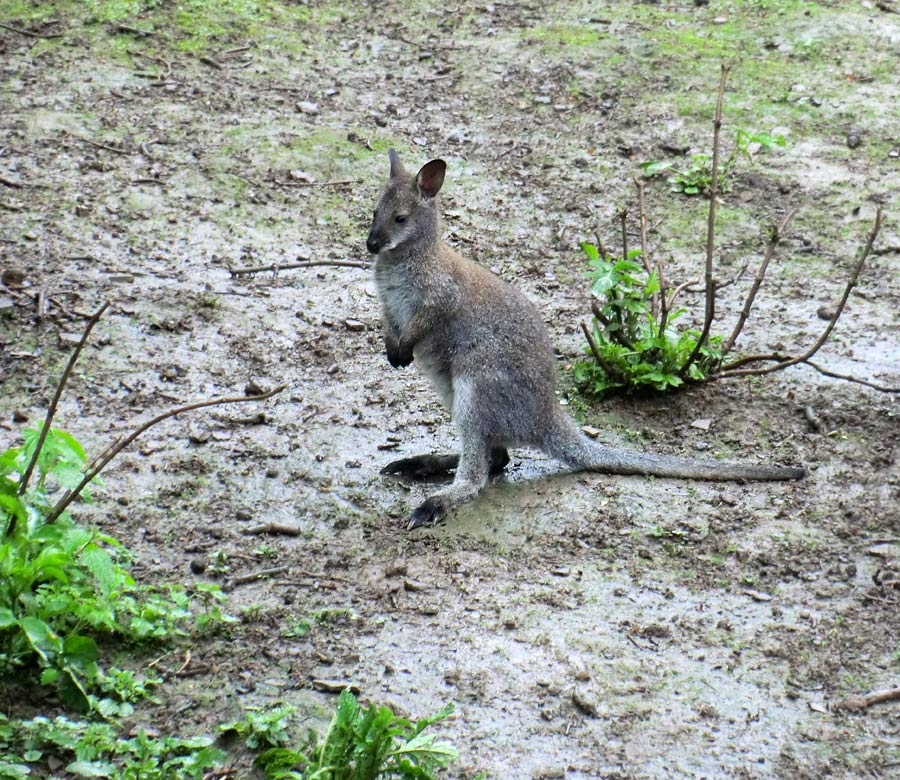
[(585, 626)]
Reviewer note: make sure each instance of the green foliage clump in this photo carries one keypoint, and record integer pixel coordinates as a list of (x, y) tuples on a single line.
[(695, 177), (364, 743), (64, 587), (629, 348), (97, 749)]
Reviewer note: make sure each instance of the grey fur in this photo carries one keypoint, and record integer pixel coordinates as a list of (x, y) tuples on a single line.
[(484, 347)]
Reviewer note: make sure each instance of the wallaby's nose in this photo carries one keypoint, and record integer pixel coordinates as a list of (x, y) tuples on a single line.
[(373, 244)]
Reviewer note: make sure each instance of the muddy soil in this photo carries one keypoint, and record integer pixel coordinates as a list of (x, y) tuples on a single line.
[(585, 626)]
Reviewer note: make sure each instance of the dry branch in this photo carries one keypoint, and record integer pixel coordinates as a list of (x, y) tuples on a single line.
[(23, 485), (777, 235), (710, 230), (783, 362), (100, 462), (276, 267), (274, 528), (864, 701)]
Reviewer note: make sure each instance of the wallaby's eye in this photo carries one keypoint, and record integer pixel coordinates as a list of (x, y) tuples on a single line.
[(399, 220)]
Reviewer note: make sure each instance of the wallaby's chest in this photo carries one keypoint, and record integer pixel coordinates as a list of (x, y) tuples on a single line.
[(398, 293)]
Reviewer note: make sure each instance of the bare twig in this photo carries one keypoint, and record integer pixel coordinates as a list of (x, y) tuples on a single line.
[(254, 576), (645, 252), (29, 33), (777, 235), (678, 290), (23, 485), (12, 183), (274, 528), (732, 369), (290, 266), (864, 701), (102, 146), (610, 370), (710, 230), (623, 217), (100, 462), (616, 333)]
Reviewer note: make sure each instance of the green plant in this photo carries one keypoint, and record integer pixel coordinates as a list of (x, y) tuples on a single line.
[(695, 176), (263, 728), (63, 587), (97, 749), (364, 743), (629, 348)]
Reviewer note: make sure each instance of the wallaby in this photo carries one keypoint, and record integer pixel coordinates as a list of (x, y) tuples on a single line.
[(486, 350)]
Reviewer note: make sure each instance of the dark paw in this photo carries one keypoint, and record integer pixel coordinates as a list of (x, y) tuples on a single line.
[(422, 466), (398, 355), (431, 510)]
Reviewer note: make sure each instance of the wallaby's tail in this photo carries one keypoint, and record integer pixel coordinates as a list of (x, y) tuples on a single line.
[(573, 448)]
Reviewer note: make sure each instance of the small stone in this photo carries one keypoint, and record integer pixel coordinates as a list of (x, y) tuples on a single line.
[(585, 698), (332, 369), (703, 424), (590, 431), (824, 313), (30, 236), (308, 107), (12, 277), (354, 325), (19, 416), (7, 305), (854, 138), (69, 338), (298, 175), (198, 566)]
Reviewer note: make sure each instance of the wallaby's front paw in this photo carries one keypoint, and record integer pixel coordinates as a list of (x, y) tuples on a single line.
[(431, 510)]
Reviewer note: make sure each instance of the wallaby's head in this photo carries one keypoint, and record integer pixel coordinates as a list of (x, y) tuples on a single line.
[(407, 210)]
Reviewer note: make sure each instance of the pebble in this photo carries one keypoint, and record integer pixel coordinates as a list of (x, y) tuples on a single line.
[(308, 107), (354, 325)]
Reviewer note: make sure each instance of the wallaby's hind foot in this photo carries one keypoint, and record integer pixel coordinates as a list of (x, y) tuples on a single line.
[(428, 512), (424, 466)]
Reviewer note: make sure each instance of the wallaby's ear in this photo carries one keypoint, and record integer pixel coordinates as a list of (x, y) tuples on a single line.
[(430, 178), (397, 168)]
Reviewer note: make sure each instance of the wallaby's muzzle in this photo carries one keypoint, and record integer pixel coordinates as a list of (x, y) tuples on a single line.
[(374, 242)]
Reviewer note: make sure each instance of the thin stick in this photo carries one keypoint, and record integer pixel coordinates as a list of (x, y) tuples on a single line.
[(100, 462), (862, 702), (616, 333), (680, 289), (596, 352), (663, 306), (274, 528), (645, 249), (102, 146), (23, 485), (30, 34), (623, 215), (11, 183), (645, 252), (290, 266), (727, 372), (710, 229), (244, 579), (851, 282), (777, 235)]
